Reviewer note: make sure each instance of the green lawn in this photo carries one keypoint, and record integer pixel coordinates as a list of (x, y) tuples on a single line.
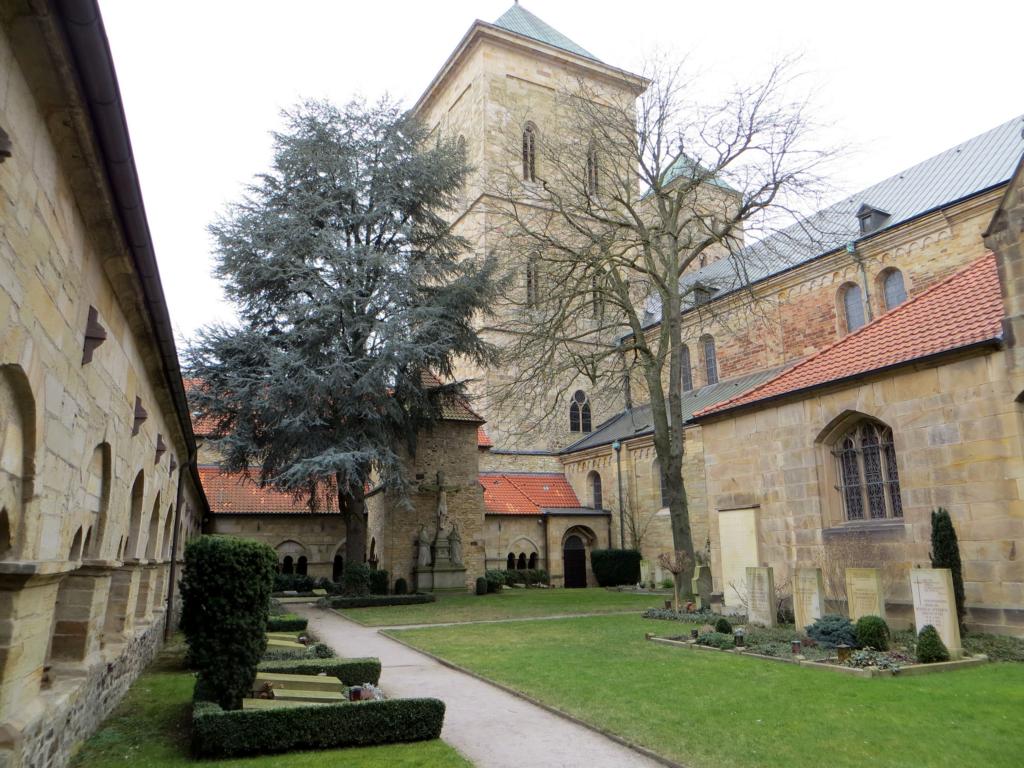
[(151, 728), (508, 604), (707, 710)]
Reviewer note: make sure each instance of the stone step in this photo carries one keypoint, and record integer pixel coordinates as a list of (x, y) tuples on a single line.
[(315, 697)]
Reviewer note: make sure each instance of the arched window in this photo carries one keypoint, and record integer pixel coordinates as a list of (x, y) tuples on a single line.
[(592, 170), (595, 490), (529, 153), (532, 564), (687, 372), (853, 307), (579, 412), (17, 449), (510, 562), (168, 535), (892, 288), (154, 530), (521, 562), (131, 548), (287, 564), (868, 480), (710, 359), (659, 479), (532, 281), (97, 497), (301, 565)]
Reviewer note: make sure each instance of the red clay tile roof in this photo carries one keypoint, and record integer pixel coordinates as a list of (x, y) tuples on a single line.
[(526, 493), (235, 494), (964, 309), (483, 440)]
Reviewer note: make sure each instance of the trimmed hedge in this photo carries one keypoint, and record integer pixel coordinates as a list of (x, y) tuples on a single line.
[(495, 580), (527, 576), (225, 591), (292, 582), (356, 580), (481, 585), (220, 733), (349, 671), (379, 582), (378, 601), (401, 586), (615, 567), (289, 622)]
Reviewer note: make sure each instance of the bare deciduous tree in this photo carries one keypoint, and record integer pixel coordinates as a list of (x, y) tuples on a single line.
[(623, 199)]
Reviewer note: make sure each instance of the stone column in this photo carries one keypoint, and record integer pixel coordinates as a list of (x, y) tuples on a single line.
[(144, 601), (124, 588), (80, 612), (158, 599), (28, 592)]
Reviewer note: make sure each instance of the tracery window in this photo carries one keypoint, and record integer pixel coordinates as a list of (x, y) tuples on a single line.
[(529, 153), (579, 412), (868, 480)]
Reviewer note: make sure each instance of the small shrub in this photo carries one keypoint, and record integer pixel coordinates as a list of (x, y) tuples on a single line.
[(401, 587), (667, 584), (873, 632), (723, 626), (481, 585), (379, 582), (615, 567), (930, 647), (379, 601), (716, 640), (225, 590), (495, 580), (356, 580), (321, 651), (832, 630), (288, 622), (946, 554), (349, 671), (292, 582)]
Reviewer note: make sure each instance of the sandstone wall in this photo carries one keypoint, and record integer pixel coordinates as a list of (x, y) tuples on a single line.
[(318, 538)]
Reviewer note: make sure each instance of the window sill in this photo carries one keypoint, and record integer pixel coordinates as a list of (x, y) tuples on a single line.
[(881, 529)]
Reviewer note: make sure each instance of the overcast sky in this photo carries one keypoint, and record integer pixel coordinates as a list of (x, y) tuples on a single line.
[(204, 81)]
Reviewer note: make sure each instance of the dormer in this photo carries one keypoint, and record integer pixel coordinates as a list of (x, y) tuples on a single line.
[(871, 219)]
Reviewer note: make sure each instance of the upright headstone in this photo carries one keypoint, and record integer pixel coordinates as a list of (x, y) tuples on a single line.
[(935, 604), (645, 572), (808, 596), (701, 585), (864, 593), (761, 605)]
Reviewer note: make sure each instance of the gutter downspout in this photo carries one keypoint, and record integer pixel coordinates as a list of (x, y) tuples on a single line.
[(174, 544)]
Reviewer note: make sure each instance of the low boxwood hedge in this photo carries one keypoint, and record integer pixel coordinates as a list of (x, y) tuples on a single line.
[(614, 567), (349, 671), (221, 733), (289, 622), (377, 601)]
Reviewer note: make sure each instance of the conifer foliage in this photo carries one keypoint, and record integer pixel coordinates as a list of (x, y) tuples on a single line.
[(946, 554), (350, 290)]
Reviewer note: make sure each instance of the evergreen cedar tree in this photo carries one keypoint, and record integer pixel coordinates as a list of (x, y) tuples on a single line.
[(946, 554), (350, 290)]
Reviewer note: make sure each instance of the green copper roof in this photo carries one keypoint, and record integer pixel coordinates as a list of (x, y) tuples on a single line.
[(519, 20)]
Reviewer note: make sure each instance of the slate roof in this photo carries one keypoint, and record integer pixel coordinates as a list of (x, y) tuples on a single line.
[(519, 20), (963, 310), (637, 421), (962, 171), (527, 493), (231, 493)]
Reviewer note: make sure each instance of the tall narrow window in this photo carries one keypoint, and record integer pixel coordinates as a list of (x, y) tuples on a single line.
[(521, 562), (595, 491), (579, 412), (868, 480), (532, 281), (892, 288), (529, 153), (710, 359), (659, 478), (510, 562), (595, 297), (853, 307), (687, 372), (592, 171)]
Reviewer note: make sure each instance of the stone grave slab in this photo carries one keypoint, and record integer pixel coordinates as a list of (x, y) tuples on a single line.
[(314, 697), (281, 680), (935, 604), (808, 596), (701, 585), (278, 703), (864, 593), (761, 603)]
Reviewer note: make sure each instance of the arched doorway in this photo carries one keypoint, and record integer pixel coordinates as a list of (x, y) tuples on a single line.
[(574, 561), (339, 568)]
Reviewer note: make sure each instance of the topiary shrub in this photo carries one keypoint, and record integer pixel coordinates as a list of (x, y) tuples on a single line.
[(614, 567), (401, 586), (946, 554), (832, 630), (379, 582), (716, 640), (225, 592), (930, 647), (481, 585), (495, 580), (356, 580), (873, 632), (723, 626)]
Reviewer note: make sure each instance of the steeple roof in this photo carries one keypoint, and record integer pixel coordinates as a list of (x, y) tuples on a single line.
[(520, 21)]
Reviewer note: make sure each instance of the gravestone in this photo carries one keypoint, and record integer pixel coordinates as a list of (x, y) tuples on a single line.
[(701, 585), (808, 596), (761, 604), (645, 572), (864, 594), (935, 604)]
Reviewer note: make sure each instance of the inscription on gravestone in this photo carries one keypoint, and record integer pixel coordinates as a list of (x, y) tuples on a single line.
[(808, 596), (761, 603), (935, 604), (864, 592)]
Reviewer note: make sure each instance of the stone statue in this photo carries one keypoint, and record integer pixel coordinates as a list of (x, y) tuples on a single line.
[(455, 545), (442, 505), (423, 548)]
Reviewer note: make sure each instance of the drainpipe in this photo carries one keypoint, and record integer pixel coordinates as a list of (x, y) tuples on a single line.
[(617, 447), (174, 544)]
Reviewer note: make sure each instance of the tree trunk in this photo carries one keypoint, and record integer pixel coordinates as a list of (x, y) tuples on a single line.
[(677, 589), (352, 505)]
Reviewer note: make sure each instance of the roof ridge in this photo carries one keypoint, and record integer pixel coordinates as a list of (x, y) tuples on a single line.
[(892, 313)]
